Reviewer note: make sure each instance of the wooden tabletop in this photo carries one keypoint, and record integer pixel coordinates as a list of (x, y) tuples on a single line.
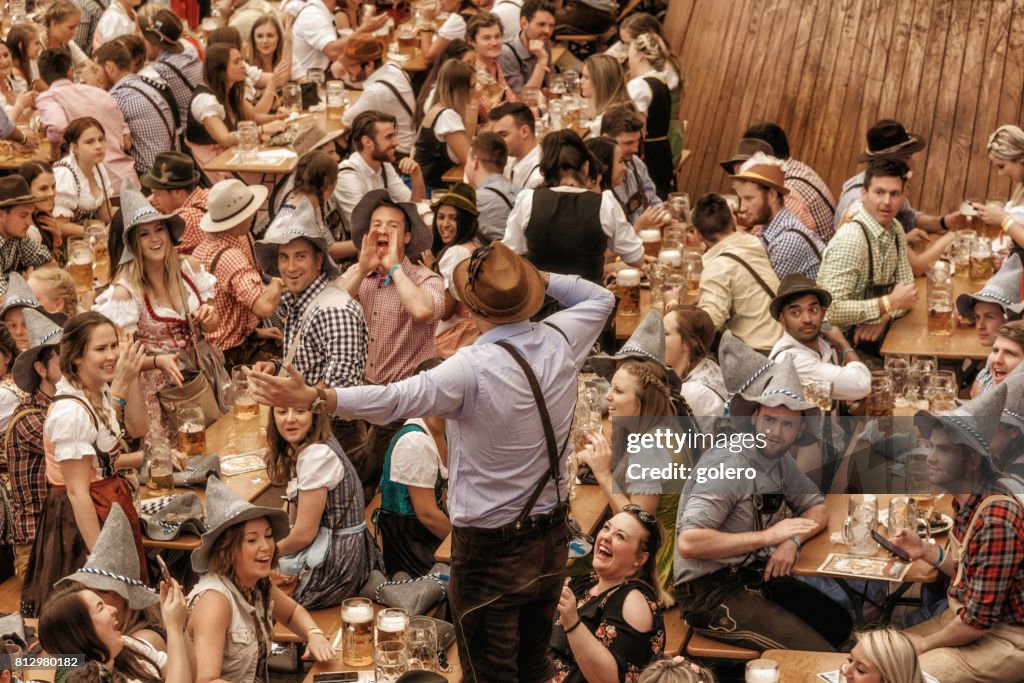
[(14, 162), (799, 666), (454, 174), (818, 548), (909, 334), (248, 486)]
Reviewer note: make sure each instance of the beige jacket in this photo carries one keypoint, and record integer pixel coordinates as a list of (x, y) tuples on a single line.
[(731, 295)]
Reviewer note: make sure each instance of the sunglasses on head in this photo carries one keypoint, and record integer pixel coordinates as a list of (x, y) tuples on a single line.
[(643, 515)]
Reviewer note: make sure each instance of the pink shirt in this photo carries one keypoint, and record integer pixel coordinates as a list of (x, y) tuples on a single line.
[(66, 101)]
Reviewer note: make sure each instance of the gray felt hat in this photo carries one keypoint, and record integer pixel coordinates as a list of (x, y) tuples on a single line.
[(973, 424), (167, 517), (1013, 406), (42, 333), (291, 226), (1002, 289), (224, 509), (646, 343), (363, 212), (113, 564), (136, 210)]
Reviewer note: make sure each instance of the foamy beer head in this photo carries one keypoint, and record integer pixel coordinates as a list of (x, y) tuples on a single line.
[(673, 258), (391, 624), (357, 613), (628, 285), (628, 277), (651, 237)]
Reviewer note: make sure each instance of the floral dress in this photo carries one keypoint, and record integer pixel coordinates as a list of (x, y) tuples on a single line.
[(161, 330), (601, 614)]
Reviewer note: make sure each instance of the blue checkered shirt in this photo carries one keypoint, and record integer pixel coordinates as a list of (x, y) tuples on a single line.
[(789, 251)]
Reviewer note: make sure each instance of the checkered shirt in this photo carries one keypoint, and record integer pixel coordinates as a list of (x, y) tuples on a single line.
[(844, 269), (189, 64), (788, 251), (397, 342), (26, 463), (20, 254), (334, 342), (192, 212), (91, 11), (802, 179), (992, 588), (149, 118), (239, 285)]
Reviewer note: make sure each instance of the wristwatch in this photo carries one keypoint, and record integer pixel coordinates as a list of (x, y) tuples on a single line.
[(320, 402)]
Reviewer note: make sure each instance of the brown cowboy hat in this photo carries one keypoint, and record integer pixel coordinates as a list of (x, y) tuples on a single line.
[(766, 175), (499, 285), (888, 138), (745, 149), (14, 192)]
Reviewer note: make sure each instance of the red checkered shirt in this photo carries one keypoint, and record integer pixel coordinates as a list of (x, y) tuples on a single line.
[(992, 588), (26, 463), (802, 179), (397, 342), (192, 212), (239, 285)]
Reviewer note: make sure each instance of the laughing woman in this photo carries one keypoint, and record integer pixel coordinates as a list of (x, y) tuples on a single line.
[(84, 451), (233, 607)]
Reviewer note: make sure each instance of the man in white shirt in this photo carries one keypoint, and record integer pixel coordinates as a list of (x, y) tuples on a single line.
[(371, 166), (386, 87), (514, 122), (315, 39), (508, 11), (819, 351)]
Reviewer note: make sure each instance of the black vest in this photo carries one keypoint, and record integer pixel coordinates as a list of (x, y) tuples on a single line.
[(432, 155), (195, 132), (660, 110), (564, 234)]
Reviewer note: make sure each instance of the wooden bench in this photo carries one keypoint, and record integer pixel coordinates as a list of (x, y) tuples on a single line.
[(10, 595), (681, 639)]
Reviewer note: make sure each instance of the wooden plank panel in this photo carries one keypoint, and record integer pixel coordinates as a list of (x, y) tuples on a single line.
[(882, 64), (801, 56), (787, 21), (1008, 97), (981, 174), (816, 155), (796, 124)]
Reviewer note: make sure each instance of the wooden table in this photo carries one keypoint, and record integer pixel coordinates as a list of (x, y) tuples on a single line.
[(818, 548), (414, 64), (454, 174), (800, 666), (909, 334), (14, 162), (248, 486)]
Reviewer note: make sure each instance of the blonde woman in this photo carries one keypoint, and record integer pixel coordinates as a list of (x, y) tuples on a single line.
[(1006, 152), (54, 289), (447, 127), (603, 84), (883, 656), (650, 64)]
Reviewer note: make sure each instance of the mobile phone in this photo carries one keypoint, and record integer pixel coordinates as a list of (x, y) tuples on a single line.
[(337, 677), (890, 546), (163, 569)]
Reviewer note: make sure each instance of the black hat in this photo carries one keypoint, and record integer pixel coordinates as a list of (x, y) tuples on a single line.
[(792, 286), (171, 171), (888, 138)]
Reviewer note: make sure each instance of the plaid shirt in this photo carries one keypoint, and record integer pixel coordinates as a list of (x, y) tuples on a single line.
[(239, 285), (192, 212), (397, 342), (844, 269), (91, 11), (802, 179), (992, 587), (20, 254), (334, 342), (788, 251), (27, 466), (149, 118), (189, 64)]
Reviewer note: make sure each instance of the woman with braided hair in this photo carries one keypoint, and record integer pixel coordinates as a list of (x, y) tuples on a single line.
[(642, 399)]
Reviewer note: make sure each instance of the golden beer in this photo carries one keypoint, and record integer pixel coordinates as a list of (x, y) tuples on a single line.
[(628, 288), (245, 408), (335, 110), (391, 623), (192, 439), (940, 320), (981, 268), (81, 273), (101, 268), (161, 483), (406, 40), (357, 630), (651, 238), (925, 505)]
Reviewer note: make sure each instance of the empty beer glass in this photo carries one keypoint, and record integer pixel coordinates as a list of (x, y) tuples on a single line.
[(861, 521)]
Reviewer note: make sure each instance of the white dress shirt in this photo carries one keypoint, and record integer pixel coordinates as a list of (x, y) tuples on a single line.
[(850, 382)]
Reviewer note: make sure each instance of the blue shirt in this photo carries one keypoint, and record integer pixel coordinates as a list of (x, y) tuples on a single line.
[(496, 447), (638, 180), (6, 125), (790, 252)]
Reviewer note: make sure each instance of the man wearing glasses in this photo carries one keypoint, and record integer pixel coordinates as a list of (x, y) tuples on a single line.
[(738, 540)]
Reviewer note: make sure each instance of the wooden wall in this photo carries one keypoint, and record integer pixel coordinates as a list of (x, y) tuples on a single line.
[(950, 70)]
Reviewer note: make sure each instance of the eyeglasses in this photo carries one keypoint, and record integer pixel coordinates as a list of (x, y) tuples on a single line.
[(645, 516)]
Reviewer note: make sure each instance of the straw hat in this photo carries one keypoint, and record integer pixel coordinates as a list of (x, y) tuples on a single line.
[(498, 284), (768, 383), (363, 212), (1002, 289), (973, 424), (230, 203), (766, 175), (224, 509), (113, 564), (292, 226), (646, 343), (313, 138), (42, 333), (888, 138), (136, 210)]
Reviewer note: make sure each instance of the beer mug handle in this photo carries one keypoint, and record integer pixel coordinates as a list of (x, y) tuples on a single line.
[(927, 529), (846, 530)]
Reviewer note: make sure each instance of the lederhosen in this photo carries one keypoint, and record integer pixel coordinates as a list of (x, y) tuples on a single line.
[(636, 201), (874, 291), (59, 549)]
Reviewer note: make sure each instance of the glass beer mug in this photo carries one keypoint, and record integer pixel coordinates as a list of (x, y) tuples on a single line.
[(862, 520)]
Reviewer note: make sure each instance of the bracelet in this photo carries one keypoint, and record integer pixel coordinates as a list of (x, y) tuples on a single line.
[(942, 557), (574, 626), (799, 543), (942, 223), (118, 400), (883, 304), (848, 349), (391, 273), (1007, 222)]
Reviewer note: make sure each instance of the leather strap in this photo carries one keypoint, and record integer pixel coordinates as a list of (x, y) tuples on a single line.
[(760, 280), (501, 194)]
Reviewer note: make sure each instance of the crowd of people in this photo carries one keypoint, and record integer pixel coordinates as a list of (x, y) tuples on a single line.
[(422, 340)]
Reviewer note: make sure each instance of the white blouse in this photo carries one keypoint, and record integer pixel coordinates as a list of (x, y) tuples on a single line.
[(73, 191), (126, 313), (204, 105), (446, 123), (317, 467), (70, 428), (415, 460)]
